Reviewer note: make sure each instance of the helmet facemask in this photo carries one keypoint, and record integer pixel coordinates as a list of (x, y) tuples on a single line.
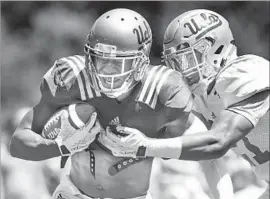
[(112, 72), (198, 43), (191, 62)]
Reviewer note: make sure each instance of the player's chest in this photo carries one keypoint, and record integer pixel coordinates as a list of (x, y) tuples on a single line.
[(132, 114)]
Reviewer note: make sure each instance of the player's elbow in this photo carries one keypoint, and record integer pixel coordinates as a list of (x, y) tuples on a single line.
[(222, 134), (221, 146), (14, 147), (219, 150), (20, 144)]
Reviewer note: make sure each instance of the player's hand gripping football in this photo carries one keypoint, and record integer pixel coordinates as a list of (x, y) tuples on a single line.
[(127, 146), (71, 140)]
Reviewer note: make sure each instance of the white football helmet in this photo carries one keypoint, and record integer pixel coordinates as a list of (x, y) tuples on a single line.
[(198, 43), (117, 51)]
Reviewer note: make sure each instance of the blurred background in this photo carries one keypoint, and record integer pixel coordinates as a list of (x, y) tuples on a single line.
[(35, 34)]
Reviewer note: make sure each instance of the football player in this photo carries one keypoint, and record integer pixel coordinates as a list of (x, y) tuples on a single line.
[(114, 76), (231, 94)]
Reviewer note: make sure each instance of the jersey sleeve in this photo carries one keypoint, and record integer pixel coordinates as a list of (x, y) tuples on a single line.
[(244, 87), (162, 85), (252, 108), (175, 92), (61, 84)]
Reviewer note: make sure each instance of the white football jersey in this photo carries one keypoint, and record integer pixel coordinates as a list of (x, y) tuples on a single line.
[(242, 78)]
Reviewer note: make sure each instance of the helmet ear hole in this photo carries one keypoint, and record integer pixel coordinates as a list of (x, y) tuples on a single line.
[(215, 61)]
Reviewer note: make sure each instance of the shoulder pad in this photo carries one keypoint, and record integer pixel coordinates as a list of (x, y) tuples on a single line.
[(243, 77), (66, 80), (159, 82)]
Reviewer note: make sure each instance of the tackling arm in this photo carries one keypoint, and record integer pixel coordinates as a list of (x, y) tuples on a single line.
[(197, 143), (228, 129), (230, 126)]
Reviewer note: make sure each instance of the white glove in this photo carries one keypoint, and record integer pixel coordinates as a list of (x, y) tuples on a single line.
[(136, 144), (123, 146), (71, 140)]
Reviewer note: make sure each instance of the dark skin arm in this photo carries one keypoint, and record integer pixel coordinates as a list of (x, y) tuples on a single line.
[(27, 142), (228, 128)]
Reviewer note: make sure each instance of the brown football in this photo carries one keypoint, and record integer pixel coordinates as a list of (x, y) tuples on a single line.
[(78, 115)]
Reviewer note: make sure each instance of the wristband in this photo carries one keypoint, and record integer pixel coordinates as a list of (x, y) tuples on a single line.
[(164, 148)]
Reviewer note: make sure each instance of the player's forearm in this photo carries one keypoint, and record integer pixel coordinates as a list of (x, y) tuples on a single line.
[(27, 145), (194, 147), (197, 143), (203, 146), (227, 130)]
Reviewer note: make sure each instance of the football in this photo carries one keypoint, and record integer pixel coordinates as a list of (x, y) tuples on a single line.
[(78, 115)]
